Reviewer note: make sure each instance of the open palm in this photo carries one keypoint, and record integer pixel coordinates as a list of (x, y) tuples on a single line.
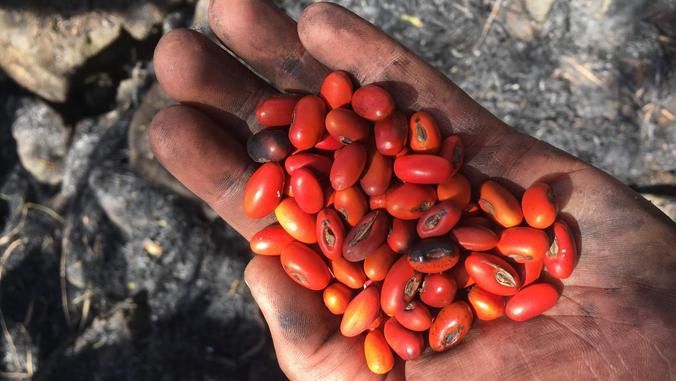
[(615, 319)]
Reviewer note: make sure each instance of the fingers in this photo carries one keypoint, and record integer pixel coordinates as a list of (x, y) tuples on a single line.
[(193, 70), (266, 39), (207, 160), (342, 40)]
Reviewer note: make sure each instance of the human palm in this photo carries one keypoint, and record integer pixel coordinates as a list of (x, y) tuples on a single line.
[(615, 318)]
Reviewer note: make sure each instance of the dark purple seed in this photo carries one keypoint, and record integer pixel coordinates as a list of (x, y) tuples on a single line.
[(270, 144)]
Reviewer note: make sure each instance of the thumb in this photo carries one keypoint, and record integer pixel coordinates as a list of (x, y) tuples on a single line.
[(298, 321), (305, 334)]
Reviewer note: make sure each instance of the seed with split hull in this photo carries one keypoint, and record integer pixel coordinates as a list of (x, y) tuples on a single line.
[(351, 204), (305, 266), (523, 244), (450, 326), (330, 233), (399, 287), (493, 274), (424, 136), (500, 204), (268, 145), (562, 255), (415, 316), (439, 219), (410, 201), (366, 236), (434, 255)]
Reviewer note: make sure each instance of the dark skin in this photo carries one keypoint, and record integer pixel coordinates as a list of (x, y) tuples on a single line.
[(615, 319)]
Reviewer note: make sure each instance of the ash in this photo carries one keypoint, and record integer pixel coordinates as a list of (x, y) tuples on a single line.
[(112, 270)]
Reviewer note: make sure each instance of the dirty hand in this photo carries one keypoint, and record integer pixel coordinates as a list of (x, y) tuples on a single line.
[(615, 318)]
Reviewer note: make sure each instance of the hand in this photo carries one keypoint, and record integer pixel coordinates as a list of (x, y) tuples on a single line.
[(615, 319)]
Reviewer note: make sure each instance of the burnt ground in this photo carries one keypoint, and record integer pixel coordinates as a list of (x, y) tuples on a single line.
[(110, 274)]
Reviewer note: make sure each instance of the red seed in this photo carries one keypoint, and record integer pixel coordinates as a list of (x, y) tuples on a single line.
[(407, 344), (561, 258), (348, 165), (493, 274), (410, 201), (372, 102), (451, 326), (337, 89), (415, 316), (422, 169), (377, 174), (532, 301), (424, 135), (438, 220), (305, 266), (391, 134), (539, 206), (270, 240), (277, 111), (523, 244), (361, 312), (307, 127), (346, 126), (264, 190), (400, 286), (307, 191), (330, 233), (438, 290)]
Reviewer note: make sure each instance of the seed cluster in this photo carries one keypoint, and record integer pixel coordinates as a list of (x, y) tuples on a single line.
[(405, 248)]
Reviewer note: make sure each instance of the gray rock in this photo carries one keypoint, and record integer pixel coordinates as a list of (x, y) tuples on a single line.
[(93, 140), (539, 9), (191, 247), (41, 138), (41, 50)]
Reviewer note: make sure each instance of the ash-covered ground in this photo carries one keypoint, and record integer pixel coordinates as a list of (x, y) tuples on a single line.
[(110, 270)]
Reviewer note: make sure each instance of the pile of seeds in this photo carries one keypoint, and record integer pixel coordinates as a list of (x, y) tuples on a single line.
[(371, 208)]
